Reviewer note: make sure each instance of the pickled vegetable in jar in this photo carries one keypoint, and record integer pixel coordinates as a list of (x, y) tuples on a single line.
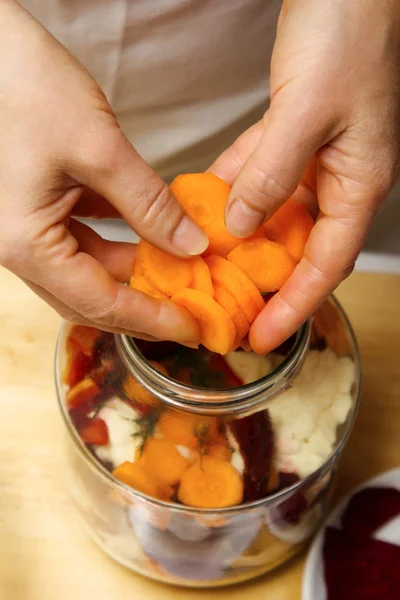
[(198, 443)]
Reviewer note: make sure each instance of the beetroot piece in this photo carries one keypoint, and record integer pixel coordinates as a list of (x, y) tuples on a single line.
[(368, 510), (360, 569), (254, 435)]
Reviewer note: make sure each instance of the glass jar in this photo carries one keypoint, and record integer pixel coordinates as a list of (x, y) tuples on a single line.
[(206, 547)]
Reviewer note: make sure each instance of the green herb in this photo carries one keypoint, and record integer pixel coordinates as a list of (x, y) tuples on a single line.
[(146, 426), (201, 433)]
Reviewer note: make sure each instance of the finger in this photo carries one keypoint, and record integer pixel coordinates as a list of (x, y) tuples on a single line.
[(329, 257), (116, 257), (54, 262), (291, 136), (229, 164), (93, 206), (69, 315), (116, 172)]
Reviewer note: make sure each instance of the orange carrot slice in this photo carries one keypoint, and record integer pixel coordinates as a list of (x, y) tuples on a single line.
[(142, 285), (165, 272), (220, 451), (83, 338), (237, 284), (136, 392), (201, 276), (266, 263), (238, 317), (204, 196), (212, 484), (290, 225), (186, 429), (135, 475), (162, 460), (81, 392), (216, 327)]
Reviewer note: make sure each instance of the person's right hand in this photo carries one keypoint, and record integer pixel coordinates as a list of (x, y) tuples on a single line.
[(61, 154)]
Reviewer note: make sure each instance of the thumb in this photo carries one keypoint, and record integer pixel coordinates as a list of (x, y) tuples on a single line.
[(292, 134)]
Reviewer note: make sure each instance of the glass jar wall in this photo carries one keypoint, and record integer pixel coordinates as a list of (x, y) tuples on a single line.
[(243, 489)]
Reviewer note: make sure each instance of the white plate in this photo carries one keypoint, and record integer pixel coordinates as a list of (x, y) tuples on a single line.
[(313, 578)]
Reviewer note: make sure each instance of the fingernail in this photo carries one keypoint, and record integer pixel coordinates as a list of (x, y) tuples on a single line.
[(189, 238), (241, 220)]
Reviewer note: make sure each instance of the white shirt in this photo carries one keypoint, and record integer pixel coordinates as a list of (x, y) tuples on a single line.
[(184, 77)]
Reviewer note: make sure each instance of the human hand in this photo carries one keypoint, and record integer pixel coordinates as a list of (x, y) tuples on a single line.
[(63, 154), (330, 138)]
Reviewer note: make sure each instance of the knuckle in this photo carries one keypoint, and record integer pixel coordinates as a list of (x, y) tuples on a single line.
[(263, 187), (156, 207), (104, 313)]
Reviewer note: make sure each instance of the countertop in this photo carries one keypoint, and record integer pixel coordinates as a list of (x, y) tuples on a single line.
[(44, 555)]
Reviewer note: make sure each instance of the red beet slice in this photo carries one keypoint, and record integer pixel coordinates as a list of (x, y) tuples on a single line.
[(370, 509), (95, 431), (360, 569), (254, 434)]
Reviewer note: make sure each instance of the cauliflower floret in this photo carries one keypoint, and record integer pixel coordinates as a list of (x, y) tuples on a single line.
[(248, 366), (341, 407), (120, 420)]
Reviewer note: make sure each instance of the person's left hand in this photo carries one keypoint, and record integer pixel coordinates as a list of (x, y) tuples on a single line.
[(331, 138)]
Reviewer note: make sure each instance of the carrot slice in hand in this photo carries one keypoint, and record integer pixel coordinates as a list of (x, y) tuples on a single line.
[(216, 327), (201, 276), (203, 196), (186, 429), (142, 285), (213, 483), (266, 263), (162, 460), (135, 475), (290, 225), (238, 317), (237, 284), (165, 272)]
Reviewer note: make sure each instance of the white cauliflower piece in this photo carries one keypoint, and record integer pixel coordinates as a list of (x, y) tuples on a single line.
[(120, 420), (248, 366), (341, 407)]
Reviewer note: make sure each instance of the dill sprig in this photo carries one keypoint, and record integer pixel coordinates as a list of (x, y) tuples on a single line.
[(146, 425)]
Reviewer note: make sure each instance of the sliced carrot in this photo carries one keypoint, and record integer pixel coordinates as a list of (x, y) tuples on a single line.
[(238, 317), (165, 491), (142, 285), (230, 277), (217, 331), (186, 429), (136, 392), (213, 483), (95, 431), (204, 196), (82, 337), (290, 225), (162, 460), (165, 272), (135, 475), (82, 392), (201, 276), (266, 263), (220, 451), (77, 366)]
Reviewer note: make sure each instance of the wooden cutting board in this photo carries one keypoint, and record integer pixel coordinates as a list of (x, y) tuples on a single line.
[(44, 555)]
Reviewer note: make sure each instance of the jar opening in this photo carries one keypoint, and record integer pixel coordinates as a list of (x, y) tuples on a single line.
[(214, 398)]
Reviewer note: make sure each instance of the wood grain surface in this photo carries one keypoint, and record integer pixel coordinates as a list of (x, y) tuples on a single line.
[(44, 555)]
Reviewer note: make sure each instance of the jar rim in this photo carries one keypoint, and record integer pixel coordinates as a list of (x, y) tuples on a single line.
[(240, 400), (101, 470)]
